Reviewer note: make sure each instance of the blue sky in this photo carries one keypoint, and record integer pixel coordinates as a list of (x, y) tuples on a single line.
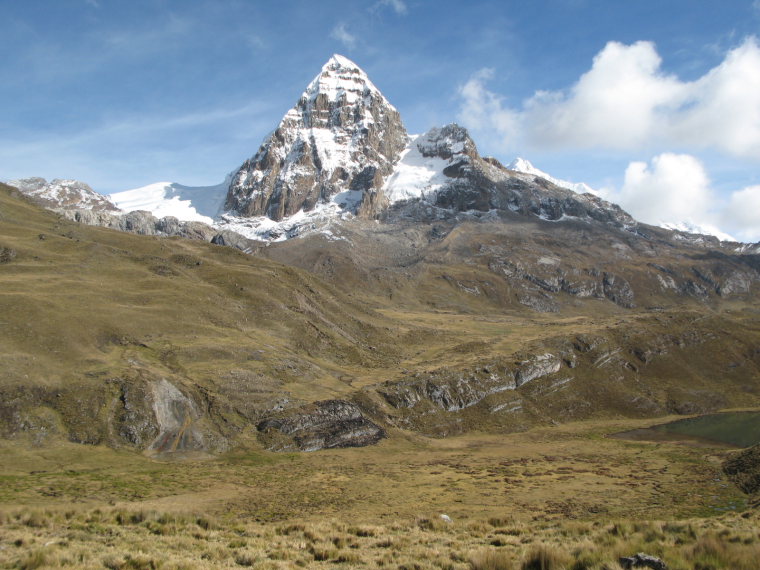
[(657, 104)]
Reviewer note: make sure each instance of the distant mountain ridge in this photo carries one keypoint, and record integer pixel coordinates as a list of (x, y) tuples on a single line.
[(59, 193), (525, 166), (343, 151)]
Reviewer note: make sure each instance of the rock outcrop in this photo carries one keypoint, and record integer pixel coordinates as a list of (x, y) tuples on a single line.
[(468, 182), (744, 469), (143, 223), (320, 425)]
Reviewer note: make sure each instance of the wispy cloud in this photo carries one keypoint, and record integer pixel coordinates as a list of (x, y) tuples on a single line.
[(341, 34), (398, 6), (93, 3), (204, 145), (153, 38), (484, 111)]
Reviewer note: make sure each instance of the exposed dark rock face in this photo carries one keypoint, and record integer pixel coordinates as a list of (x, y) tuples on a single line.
[(479, 184), (320, 425), (142, 412), (452, 391), (232, 239), (342, 137), (618, 290), (642, 560)]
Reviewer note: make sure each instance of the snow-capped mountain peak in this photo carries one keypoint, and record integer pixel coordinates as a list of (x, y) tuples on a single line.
[(341, 77), (697, 228), (686, 226), (526, 167), (341, 138)]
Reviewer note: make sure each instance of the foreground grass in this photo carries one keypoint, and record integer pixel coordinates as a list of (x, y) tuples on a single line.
[(122, 539), (552, 498)]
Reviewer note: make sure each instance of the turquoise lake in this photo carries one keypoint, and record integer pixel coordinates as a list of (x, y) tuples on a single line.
[(736, 429)]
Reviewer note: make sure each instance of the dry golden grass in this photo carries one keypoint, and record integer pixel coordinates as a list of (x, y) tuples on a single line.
[(120, 539), (561, 498)]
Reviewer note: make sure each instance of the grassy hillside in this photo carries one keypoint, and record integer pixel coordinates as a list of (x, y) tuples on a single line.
[(171, 344), (84, 309)]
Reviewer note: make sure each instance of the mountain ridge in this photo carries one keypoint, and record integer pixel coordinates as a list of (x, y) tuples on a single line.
[(341, 151)]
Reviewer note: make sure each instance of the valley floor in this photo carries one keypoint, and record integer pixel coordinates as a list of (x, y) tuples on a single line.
[(566, 494)]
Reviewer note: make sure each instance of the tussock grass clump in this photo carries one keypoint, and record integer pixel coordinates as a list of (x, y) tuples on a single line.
[(544, 557), (435, 524), (35, 519), (492, 560), (35, 559), (246, 559), (499, 522), (365, 531), (348, 557)]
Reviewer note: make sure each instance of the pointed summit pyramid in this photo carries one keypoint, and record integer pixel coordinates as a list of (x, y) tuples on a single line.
[(337, 145)]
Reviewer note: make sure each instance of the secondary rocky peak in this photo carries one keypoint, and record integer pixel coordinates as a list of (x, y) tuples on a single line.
[(334, 148), (446, 142), (64, 194)]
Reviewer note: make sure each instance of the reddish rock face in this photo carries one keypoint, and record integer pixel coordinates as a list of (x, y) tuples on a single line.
[(338, 143)]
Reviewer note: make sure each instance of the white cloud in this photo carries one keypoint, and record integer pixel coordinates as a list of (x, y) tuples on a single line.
[(340, 33), (723, 108), (619, 103), (742, 214), (398, 6), (93, 3), (625, 101), (673, 188)]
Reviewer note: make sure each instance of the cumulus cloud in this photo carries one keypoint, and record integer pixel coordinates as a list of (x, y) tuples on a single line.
[(341, 34), (742, 214), (619, 103), (625, 101), (672, 188), (723, 107), (675, 190)]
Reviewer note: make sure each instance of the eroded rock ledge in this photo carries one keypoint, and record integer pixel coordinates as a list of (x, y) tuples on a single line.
[(320, 425)]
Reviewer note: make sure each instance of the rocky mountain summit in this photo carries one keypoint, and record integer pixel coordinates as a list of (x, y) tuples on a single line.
[(338, 144), (344, 149)]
